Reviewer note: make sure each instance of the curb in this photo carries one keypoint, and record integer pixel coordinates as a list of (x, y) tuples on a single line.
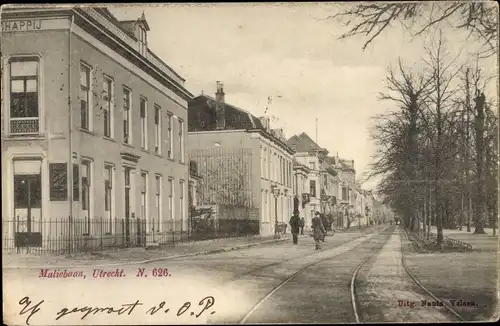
[(208, 252)]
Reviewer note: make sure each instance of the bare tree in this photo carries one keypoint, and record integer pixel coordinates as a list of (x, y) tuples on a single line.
[(480, 19)]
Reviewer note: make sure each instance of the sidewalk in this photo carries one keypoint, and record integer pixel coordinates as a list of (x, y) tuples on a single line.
[(129, 256)]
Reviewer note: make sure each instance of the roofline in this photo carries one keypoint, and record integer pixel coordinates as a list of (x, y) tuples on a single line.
[(48, 11), (271, 137)]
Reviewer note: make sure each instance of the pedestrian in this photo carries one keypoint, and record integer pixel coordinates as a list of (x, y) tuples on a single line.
[(294, 226), (318, 229), (302, 223), (324, 221)]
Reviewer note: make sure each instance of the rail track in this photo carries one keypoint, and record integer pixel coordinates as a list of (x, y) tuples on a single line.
[(356, 307), (298, 272)]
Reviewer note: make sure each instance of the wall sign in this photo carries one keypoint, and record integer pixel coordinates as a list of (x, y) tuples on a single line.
[(21, 25), (58, 181)]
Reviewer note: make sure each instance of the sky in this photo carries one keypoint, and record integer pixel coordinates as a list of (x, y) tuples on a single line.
[(291, 53)]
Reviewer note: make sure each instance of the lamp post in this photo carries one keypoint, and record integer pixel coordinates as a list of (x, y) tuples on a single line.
[(276, 193)]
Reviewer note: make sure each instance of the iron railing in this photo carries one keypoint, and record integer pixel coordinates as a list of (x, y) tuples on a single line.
[(63, 236)]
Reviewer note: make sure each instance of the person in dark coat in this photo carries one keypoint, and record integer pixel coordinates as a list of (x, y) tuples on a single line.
[(324, 221), (294, 226), (302, 224), (318, 229)]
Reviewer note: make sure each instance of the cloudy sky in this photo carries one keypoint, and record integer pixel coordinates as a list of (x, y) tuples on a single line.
[(291, 53)]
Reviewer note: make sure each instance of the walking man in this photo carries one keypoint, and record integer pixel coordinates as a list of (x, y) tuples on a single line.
[(318, 229), (302, 223), (294, 226)]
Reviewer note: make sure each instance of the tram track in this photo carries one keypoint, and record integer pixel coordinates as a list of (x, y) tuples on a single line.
[(357, 308), (284, 282)]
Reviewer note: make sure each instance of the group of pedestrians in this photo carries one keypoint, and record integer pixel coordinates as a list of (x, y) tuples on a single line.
[(297, 224)]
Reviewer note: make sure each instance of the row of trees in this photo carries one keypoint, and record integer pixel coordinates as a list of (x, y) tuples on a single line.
[(437, 150)]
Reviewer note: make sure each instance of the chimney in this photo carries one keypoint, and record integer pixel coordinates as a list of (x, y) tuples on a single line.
[(219, 95), (220, 116)]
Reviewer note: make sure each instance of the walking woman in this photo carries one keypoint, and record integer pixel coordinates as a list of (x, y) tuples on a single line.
[(318, 229)]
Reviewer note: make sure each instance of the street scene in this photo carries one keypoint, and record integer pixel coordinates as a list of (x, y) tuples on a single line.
[(237, 163)]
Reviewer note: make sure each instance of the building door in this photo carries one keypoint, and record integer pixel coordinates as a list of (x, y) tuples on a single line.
[(27, 203)]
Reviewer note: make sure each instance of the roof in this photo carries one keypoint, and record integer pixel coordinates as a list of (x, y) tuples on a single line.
[(331, 160), (201, 115), (298, 165), (304, 143)]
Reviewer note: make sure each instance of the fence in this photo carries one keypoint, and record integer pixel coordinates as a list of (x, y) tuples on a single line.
[(68, 235), (227, 176)]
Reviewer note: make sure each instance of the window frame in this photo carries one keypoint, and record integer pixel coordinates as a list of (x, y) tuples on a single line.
[(181, 140), (171, 194), (170, 129), (158, 201), (87, 162), (158, 129), (143, 113), (126, 116), (182, 210), (8, 91), (90, 111), (110, 103), (109, 172)]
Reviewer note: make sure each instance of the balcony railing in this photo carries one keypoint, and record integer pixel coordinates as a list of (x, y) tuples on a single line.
[(21, 126)]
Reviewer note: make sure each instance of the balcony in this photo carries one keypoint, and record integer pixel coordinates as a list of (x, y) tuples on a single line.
[(24, 126)]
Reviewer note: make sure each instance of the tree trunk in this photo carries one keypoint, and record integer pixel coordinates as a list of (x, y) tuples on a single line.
[(480, 164)]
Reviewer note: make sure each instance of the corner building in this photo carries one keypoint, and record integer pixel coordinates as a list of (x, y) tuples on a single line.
[(93, 127)]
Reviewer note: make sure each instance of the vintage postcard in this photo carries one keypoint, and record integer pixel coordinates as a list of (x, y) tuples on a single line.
[(249, 163)]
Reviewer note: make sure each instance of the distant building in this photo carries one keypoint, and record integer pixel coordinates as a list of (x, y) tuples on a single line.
[(242, 161), (310, 154), (348, 186), (93, 125)]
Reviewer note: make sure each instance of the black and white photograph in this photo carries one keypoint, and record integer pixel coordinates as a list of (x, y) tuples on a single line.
[(250, 163)]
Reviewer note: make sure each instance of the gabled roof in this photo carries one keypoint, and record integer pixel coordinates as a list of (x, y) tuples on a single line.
[(304, 143), (201, 115)]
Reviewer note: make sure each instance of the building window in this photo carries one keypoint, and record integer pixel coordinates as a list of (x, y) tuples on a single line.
[(181, 199), (85, 91), (24, 95), (345, 194), (269, 164), (171, 198), (170, 135), (158, 134), (312, 165), (76, 182), (157, 224), (108, 198), (127, 122), (144, 122), (312, 188), (144, 195), (107, 110), (86, 175), (181, 139), (143, 44), (264, 168), (127, 176)]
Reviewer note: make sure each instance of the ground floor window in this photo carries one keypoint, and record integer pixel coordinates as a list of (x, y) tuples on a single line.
[(86, 197)]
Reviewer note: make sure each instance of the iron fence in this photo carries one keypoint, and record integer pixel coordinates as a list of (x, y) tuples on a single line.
[(63, 236)]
